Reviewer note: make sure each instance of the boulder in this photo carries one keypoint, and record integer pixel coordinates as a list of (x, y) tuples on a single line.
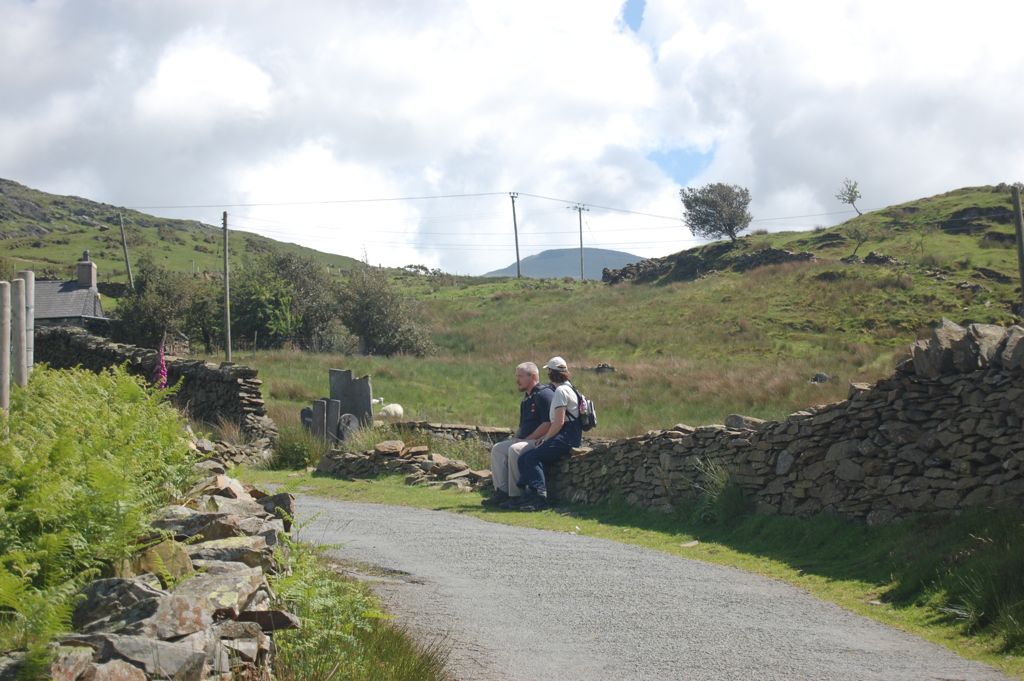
[(281, 505), (220, 485), (76, 664), (244, 641), (271, 620), (1012, 354), (228, 592), (166, 618), (220, 504), (168, 560), (181, 661), (108, 599), (978, 348), (740, 422), (70, 663), (389, 448), (935, 357), (226, 526), (183, 522), (252, 551)]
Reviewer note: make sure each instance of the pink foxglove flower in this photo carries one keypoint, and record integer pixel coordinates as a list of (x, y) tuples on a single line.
[(160, 375)]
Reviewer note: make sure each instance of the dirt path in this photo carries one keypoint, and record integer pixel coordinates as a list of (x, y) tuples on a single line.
[(519, 604)]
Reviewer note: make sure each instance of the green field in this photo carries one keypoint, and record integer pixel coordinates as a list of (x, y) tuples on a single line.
[(685, 350), (693, 351)]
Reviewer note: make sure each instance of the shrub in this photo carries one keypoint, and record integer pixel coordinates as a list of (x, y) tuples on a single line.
[(296, 447), (75, 494), (719, 498), (374, 310)]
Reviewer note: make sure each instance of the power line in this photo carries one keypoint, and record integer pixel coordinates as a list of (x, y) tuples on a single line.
[(319, 203)]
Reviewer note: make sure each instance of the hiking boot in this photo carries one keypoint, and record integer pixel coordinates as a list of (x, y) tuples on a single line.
[(512, 503), (496, 499), (537, 501)]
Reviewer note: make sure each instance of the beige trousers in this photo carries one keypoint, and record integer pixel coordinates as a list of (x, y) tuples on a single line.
[(505, 464)]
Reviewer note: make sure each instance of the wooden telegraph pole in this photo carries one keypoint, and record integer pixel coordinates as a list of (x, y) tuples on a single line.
[(227, 294), (515, 229), (124, 248), (579, 208)]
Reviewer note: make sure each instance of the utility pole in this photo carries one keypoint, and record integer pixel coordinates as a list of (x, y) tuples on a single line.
[(227, 295), (124, 247), (1018, 222), (515, 228), (579, 208)]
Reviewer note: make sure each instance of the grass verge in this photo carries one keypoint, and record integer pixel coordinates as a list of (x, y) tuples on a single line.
[(344, 633), (958, 583)]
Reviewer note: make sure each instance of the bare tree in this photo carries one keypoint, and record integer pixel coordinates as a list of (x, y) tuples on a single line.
[(849, 193), (716, 210)]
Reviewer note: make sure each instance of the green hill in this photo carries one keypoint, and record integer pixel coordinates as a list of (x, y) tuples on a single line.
[(49, 232), (695, 346), (705, 332)]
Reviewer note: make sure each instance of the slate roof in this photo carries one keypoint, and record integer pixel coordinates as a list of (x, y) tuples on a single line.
[(63, 299)]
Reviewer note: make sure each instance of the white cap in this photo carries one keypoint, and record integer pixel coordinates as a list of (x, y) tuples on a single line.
[(557, 363)]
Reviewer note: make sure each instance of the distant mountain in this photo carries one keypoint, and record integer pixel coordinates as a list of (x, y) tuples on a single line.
[(565, 262)]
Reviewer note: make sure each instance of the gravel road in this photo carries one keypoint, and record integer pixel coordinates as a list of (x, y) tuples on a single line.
[(519, 604)]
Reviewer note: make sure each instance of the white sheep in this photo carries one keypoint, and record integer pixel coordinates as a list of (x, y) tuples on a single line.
[(392, 413)]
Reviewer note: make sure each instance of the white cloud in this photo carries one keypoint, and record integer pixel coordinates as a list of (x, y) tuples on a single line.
[(189, 102), (384, 232), (198, 82)]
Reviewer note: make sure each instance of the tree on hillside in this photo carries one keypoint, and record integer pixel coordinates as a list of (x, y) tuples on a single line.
[(859, 235), (161, 303), (313, 296), (374, 310), (716, 210), (849, 193), (262, 309)]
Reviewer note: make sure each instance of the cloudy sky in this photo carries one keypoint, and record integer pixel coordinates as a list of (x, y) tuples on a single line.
[(292, 116)]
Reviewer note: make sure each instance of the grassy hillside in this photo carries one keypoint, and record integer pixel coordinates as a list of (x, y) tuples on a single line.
[(48, 233), (695, 351)]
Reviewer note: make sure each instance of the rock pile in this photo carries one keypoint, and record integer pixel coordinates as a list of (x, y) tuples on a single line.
[(208, 392), (873, 258), (769, 256), (221, 455), (194, 606), (417, 463), (691, 265)]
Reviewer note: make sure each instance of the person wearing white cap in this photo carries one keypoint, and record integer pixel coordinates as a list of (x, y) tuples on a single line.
[(533, 424), (565, 432)]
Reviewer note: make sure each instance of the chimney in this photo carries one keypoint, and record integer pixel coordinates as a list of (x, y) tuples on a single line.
[(86, 272)]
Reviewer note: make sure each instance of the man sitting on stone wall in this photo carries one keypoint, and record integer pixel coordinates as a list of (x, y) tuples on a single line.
[(533, 424)]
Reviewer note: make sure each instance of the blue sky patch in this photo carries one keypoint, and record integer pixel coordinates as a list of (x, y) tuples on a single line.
[(682, 165), (633, 13)]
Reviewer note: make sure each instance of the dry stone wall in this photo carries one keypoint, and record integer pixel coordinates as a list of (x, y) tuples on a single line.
[(942, 434), (208, 392)]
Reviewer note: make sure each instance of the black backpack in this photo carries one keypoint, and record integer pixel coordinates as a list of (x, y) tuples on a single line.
[(588, 412)]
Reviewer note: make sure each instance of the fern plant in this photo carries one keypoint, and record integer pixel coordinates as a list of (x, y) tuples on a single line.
[(86, 460)]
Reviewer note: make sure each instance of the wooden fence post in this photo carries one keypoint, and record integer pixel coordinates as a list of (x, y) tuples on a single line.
[(18, 329), (5, 345), (30, 317)]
